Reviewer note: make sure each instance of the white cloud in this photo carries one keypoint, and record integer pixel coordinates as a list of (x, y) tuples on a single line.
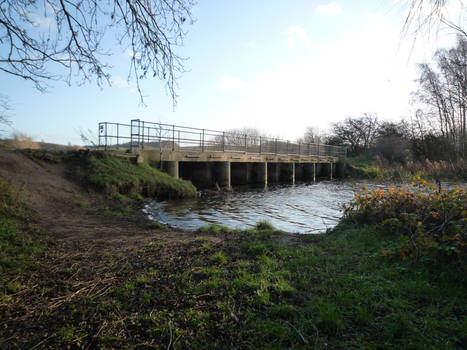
[(296, 35), (332, 9), (227, 82)]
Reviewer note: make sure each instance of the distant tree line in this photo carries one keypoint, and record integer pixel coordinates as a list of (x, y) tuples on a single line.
[(436, 131)]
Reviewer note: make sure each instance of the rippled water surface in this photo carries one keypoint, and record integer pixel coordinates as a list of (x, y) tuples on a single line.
[(299, 208)]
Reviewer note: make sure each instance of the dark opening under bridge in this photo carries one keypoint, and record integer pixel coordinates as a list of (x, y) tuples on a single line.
[(208, 157)]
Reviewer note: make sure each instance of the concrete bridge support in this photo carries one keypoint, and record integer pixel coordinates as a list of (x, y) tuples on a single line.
[(226, 173), (171, 168), (225, 178), (263, 172), (292, 166)]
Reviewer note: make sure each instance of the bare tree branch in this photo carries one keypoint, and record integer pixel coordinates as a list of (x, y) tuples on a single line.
[(427, 16), (47, 40)]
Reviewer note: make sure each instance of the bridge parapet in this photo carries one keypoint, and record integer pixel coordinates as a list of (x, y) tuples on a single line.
[(143, 135)]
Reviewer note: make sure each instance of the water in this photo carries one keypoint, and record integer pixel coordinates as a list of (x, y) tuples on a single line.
[(301, 208)]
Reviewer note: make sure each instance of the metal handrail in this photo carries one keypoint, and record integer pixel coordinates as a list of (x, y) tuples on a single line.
[(141, 134)]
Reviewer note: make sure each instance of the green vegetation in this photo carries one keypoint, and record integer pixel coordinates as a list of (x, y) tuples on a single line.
[(121, 178), (17, 244), (339, 290), (365, 167), (426, 222)]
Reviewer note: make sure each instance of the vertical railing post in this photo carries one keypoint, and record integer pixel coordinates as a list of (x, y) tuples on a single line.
[(299, 148), (202, 143), (99, 134), (246, 148), (105, 147), (160, 142), (275, 146), (142, 137), (260, 145), (287, 149), (118, 134), (178, 140), (223, 141), (173, 137), (318, 149)]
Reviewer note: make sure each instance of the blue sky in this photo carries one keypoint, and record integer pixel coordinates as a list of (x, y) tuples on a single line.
[(279, 66)]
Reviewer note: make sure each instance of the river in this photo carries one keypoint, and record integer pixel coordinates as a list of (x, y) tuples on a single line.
[(303, 208)]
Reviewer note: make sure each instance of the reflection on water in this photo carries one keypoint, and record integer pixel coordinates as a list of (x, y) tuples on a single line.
[(301, 208)]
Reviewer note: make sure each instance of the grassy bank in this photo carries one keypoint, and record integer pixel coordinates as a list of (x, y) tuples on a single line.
[(364, 167), (113, 175)]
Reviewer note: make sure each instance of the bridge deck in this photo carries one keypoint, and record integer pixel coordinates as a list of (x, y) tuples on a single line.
[(189, 156)]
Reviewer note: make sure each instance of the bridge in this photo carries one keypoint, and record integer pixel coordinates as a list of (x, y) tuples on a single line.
[(208, 157)]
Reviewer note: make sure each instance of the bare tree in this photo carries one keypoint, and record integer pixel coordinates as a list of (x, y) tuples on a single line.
[(358, 133), (44, 40), (311, 135), (424, 16), (443, 92)]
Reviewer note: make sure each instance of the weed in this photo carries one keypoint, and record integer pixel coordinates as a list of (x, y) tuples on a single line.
[(219, 258), (264, 226)]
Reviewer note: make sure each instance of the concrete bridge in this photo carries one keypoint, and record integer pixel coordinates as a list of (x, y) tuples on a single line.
[(208, 157)]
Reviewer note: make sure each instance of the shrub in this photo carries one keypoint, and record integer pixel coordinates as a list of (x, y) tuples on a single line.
[(23, 141), (427, 222)]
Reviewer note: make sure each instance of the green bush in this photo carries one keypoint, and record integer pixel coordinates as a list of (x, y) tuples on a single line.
[(426, 222)]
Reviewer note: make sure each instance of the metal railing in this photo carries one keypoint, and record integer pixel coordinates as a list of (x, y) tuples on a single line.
[(164, 137)]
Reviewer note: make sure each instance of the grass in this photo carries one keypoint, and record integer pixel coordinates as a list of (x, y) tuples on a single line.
[(332, 291), (17, 244), (364, 167), (125, 180)]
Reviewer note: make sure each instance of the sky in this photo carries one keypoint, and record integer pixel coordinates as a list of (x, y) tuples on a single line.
[(275, 65)]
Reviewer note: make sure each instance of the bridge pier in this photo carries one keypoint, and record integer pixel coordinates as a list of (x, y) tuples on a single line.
[(221, 174), (226, 174), (171, 168), (292, 166), (263, 172)]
